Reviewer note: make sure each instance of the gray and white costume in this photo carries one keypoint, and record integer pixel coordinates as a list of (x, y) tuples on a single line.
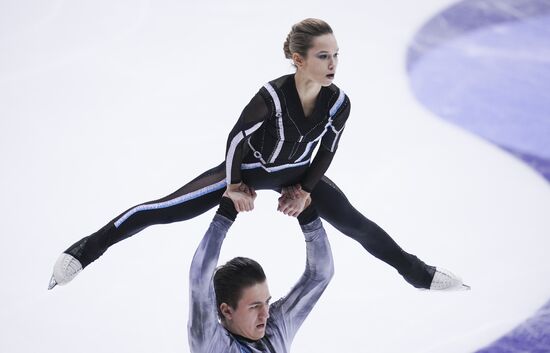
[(207, 335)]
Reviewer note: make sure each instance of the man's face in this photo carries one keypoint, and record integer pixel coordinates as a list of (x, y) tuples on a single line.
[(250, 317)]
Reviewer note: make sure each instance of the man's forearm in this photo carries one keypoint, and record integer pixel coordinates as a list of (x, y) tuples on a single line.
[(319, 263), (291, 311), (206, 256), (202, 311)]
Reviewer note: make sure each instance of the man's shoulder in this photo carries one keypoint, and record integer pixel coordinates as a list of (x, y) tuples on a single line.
[(217, 339)]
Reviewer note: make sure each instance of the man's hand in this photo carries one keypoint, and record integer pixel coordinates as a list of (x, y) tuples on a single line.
[(293, 200), (242, 195)]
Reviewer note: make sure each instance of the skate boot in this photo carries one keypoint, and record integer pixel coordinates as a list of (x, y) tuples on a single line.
[(65, 269), (418, 274), (447, 281)]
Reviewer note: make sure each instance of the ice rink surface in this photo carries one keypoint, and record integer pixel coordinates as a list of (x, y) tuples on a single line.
[(104, 105), (484, 65)]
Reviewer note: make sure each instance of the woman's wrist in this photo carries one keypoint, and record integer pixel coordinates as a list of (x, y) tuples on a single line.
[(303, 193), (304, 189), (234, 187)]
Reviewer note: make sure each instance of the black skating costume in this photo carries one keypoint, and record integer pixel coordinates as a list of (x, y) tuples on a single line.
[(270, 147)]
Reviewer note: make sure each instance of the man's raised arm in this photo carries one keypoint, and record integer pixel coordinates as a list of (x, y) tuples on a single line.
[(203, 318), (290, 312)]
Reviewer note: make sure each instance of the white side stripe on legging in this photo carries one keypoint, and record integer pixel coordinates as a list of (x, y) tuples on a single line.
[(279, 121), (169, 203), (233, 146)]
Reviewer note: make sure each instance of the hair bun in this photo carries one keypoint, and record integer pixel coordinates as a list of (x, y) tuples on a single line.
[(286, 46), (301, 36)]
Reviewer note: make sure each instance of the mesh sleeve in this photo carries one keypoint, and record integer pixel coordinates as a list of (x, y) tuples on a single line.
[(327, 148), (251, 119)]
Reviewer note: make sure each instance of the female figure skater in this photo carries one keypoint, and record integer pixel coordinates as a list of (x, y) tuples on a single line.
[(271, 147)]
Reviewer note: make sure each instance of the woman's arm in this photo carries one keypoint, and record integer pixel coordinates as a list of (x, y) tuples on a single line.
[(251, 119), (327, 148)]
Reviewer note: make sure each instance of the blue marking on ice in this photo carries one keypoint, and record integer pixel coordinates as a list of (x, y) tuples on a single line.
[(494, 82), (484, 65)]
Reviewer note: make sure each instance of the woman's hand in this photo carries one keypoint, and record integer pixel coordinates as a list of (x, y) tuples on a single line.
[(242, 195), (293, 200)]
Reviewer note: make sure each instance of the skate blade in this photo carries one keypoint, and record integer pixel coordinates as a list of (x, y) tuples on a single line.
[(52, 284), (462, 287)]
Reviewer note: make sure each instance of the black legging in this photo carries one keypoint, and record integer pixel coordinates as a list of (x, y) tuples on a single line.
[(204, 193)]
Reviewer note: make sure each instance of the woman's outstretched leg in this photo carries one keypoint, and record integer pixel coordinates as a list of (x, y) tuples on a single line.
[(191, 200), (334, 207)]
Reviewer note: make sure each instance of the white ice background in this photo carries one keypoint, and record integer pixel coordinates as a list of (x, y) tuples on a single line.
[(106, 104)]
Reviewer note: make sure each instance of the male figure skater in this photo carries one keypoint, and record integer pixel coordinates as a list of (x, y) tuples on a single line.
[(231, 312)]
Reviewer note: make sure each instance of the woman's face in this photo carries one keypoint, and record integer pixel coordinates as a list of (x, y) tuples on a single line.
[(321, 61)]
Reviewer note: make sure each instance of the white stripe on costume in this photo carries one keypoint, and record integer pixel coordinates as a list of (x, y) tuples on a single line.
[(337, 104), (275, 97), (246, 166), (335, 139), (169, 203), (279, 115), (233, 146), (309, 144)]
